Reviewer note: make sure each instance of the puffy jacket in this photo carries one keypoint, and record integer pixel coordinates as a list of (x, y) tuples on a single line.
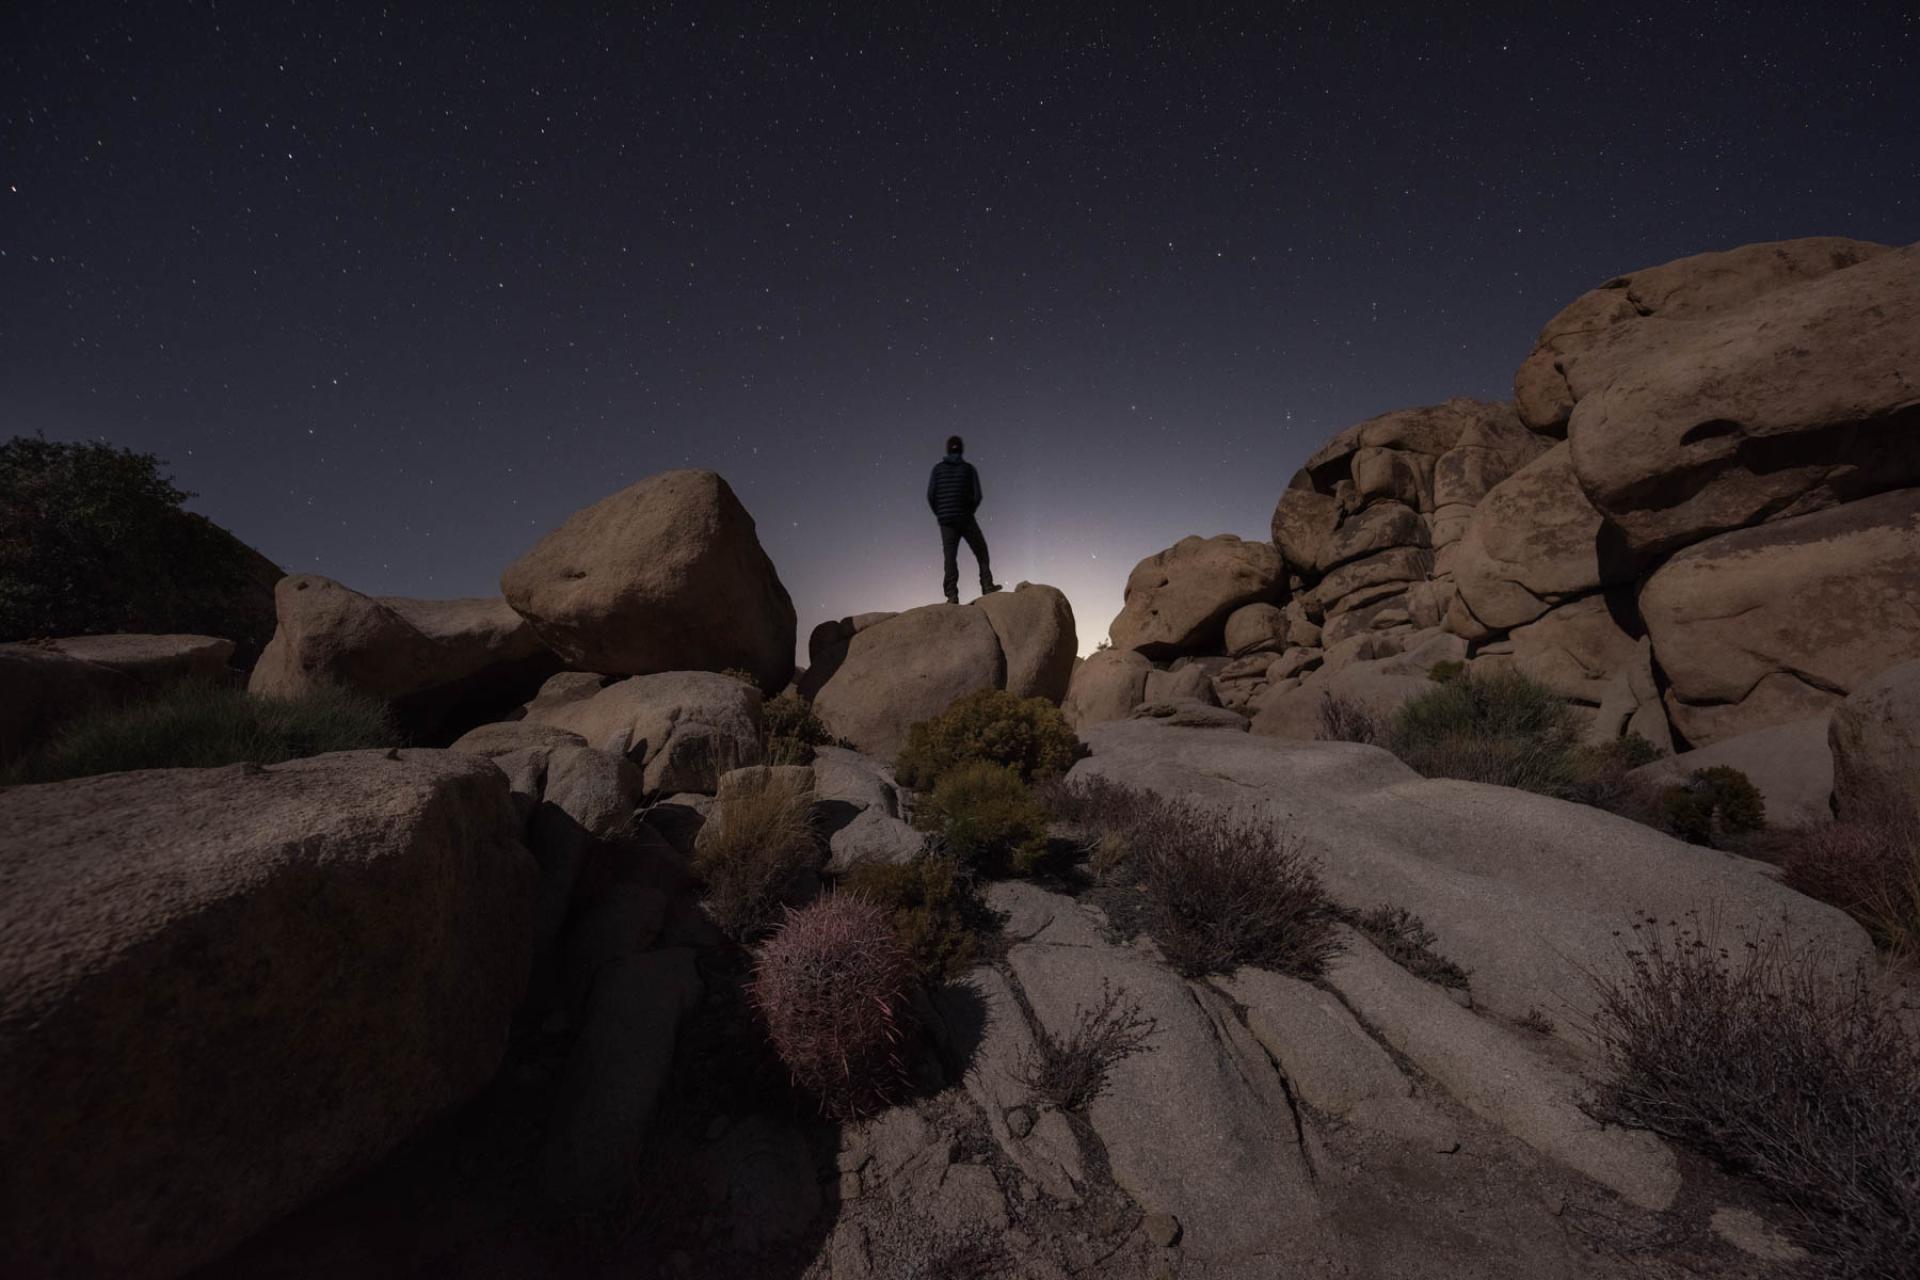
[(953, 490)]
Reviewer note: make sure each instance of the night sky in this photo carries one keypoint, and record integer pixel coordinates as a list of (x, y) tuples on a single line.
[(395, 291)]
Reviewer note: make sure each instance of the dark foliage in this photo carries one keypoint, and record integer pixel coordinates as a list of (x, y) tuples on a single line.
[(1071, 1071), (1027, 735)]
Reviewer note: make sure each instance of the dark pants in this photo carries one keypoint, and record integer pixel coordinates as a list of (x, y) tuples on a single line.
[(950, 535)]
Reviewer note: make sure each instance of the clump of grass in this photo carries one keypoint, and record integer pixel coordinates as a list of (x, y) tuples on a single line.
[(830, 984), (1760, 1056), (1405, 939), (201, 725), (1712, 805), (1344, 719), (933, 908), (1029, 736), (1867, 864), (986, 818), (1070, 1071), (1222, 891), (751, 852), (1447, 671)]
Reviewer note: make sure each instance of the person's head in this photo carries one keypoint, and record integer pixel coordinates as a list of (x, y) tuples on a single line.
[(956, 445)]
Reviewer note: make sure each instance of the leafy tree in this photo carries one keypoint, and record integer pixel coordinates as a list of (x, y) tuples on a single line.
[(93, 540)]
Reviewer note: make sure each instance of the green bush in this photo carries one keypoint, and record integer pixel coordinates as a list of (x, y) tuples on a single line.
[(197, 725), (93, 539), (1502, 728), (1713, 803), (1027, 735), (935, 914), (791, 729), (986, 818)]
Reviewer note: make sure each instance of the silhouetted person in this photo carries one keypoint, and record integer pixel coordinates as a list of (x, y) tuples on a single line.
[(953, 491)]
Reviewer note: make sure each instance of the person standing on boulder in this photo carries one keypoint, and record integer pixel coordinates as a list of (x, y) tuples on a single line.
[(953, 491)]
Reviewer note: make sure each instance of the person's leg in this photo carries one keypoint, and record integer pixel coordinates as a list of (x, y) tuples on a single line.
[(977, 543), (950, 550)]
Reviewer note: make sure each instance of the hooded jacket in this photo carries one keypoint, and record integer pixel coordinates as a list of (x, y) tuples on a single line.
[(953, 490)]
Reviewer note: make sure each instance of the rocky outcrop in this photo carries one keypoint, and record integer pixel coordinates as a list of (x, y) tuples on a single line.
[(224, 990), (154, 662), (666, 575), (875, 675), (1779, 622), (1533, 541), (1178, 600), (683, 728), (441, 664)]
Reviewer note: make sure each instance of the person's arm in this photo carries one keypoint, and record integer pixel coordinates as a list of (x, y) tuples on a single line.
[(973, 473), (933, 484)]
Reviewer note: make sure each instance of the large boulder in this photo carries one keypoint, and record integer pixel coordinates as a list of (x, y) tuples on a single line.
[(666, 575), (1178, 600), (1107, 686), (908, 668), (683, 728), (1034, 625), (1613, 327), (1531, 895), (1534, 539), (1875, 738), (1576, 649), (1799, 400), (225, 990), (440, 663), (1780, 621), (827, 648)]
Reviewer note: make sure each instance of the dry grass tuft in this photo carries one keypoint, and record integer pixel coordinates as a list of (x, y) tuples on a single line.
[(1759, 1055), (1071, 1072), (753, 849)]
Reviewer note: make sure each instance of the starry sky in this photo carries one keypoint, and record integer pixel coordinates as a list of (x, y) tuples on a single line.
[(395, 289)]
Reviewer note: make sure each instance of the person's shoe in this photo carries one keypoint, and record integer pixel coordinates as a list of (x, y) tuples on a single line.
[(953, 599), (988, 588)]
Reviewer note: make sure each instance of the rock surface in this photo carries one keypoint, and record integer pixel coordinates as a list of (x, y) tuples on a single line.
[(1779, 622), (1034, 625), (153, 662), (1875, 740), (1526, 892), (666, 575), (41, 690), (683, 728), (226, 989)]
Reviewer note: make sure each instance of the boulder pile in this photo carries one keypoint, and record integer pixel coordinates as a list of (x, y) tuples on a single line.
[(1699, 517)]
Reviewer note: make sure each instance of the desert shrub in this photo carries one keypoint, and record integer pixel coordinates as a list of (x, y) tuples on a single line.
[(1760, 1056), (791, 730), (1502, 728), (200, 725), (1713, 803), (751, 851), (1446, 671), (93, 539), (932, 907), (1222, 891), (1601, 778), (986, 819), (1027, 735), (830, 984), (1868, 865), (1405, 939), (1070, 1071), (1345, 719)]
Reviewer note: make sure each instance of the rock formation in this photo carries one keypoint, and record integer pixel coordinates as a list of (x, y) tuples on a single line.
[(665, 575)]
